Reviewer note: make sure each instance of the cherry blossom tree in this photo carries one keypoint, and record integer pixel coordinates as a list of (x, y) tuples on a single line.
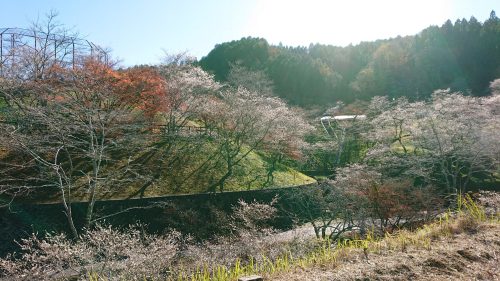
[(77, 133), (178, 156), (285, 139), (450, 140), (242, 121)]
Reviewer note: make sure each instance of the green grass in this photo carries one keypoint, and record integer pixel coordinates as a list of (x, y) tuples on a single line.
[(252, 175), (407, 142), (249, 174)]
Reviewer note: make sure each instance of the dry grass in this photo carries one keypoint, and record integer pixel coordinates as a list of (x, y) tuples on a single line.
[(458, 256), (403, 255), (460, 246)]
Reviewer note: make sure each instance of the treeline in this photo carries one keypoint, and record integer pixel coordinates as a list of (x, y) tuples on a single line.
[(463, 56)]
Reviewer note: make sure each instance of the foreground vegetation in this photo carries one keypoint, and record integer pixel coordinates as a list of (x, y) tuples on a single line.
[(107, 254), (460, 256), (470, 218)]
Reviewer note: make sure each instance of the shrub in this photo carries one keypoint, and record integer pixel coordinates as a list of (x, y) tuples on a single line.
[(254, 216), (390, 202), (103, 250)]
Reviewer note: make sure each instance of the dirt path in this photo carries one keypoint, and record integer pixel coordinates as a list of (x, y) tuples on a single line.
[(460, 257)]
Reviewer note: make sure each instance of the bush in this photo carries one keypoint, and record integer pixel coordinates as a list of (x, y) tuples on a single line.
[(254, 216), (103, 250), (390, 202)]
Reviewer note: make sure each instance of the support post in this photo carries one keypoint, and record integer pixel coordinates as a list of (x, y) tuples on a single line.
[(12, 38), (55, 49), (73, 53), (1, 55)]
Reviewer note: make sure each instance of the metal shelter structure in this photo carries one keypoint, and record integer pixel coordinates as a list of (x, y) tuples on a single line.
[(29, 51), (332, 123)]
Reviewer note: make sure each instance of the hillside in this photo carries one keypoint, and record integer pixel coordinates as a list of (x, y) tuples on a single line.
[(374, 161), (464, 256), (140, 132), (462, 56), (250, 174)]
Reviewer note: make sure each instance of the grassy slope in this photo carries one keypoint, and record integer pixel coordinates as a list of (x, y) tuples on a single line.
[(249, 175), (461, 256)]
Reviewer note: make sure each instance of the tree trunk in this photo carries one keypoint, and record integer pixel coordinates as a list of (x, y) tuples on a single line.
[(316, 231), (90, 207), (270, 172), (71, 224)]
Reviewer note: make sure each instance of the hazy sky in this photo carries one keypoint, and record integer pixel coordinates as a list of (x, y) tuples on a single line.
[(138, 30)]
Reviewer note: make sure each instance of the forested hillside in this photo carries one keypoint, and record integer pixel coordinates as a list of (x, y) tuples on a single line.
[(463, 56), (123, 173)]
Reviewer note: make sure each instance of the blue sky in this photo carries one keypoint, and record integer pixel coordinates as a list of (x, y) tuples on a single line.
[(138, 31)]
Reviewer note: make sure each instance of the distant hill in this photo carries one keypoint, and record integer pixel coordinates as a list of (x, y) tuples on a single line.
[(463, 56)]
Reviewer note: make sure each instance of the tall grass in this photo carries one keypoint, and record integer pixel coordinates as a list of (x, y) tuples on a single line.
[(465, 204)]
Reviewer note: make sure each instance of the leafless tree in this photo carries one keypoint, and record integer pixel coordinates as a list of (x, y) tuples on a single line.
[(37, 50), (242, 122), (80, 137), (447, 140), (331, 211)]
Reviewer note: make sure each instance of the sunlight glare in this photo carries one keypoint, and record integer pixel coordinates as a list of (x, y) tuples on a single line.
[(342, 22)]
